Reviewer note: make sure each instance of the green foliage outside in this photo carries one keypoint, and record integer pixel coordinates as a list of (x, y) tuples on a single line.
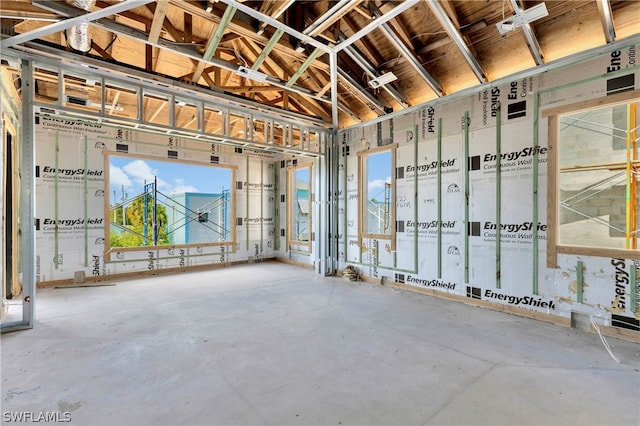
[(134, 222)]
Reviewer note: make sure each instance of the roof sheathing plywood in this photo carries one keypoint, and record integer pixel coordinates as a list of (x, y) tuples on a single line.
[(576, 21)]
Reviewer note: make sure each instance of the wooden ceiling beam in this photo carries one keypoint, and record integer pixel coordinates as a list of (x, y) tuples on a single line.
[(26, 11), (148, 54), (282, 6), (252, 89), (267, 49), (101, 51), (275, 101), (297, 106), (362, 10), (272, 67), (319, 82), (188, 28), (302, 68), (397, 34), (208, 79), (214, 42), (368, 48), (314, 108), (325, 89), (161, 7), (332, 16), (446, 15), (127, 14), (247, 30)]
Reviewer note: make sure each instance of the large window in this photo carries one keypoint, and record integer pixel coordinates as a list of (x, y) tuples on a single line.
[(596, 174), (162, 203), (299, 207), (377, 206)]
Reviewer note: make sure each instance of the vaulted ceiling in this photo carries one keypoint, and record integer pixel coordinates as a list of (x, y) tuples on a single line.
[(280, 52)]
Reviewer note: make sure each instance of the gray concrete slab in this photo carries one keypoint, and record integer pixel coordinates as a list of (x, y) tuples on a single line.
[(274, 344)]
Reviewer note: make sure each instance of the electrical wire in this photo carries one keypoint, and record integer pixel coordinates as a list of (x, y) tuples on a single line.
[(604, 342)]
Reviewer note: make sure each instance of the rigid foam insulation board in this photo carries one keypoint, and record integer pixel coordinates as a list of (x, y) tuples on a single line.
[(606, 288), (70, 199)]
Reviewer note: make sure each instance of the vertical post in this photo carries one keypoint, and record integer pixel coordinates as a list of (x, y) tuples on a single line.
[(56, 203), (276, 206), (498, 189), (332, 143), (345, 223), (154, 212), (579, 281), (439, 245), (246, 208), (415, 199), (534, 217), (123, 198), (145, 214), (466, 197), (261, 207), (86, 203), (27, 198), (633, 278), (333, 61), (630, 235)]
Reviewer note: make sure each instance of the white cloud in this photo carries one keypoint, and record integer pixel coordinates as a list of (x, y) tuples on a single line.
[(117, 177), (178, 189), (139, 171), (377, 185)]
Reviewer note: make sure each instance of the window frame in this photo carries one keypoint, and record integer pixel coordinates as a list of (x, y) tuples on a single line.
[(363, 189), (553, 174), (108, 250), (291, 241)]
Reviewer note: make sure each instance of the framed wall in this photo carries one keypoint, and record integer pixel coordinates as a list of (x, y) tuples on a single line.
[(593, 173)]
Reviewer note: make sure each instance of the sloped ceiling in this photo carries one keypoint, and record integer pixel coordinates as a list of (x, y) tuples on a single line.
[(278, 52)]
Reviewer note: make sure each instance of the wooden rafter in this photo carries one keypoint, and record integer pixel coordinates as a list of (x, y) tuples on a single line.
[(270, 64), (158, 20), (247, 30), (331, 18), (101, 51), (368, 48), (188, 28), (252, 89), (280, 7), (214, 42)]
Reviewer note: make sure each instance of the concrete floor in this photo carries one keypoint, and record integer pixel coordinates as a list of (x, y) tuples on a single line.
[(276, 344)]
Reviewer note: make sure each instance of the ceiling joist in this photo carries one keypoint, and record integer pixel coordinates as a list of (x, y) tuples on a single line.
[(70, 22), (158, 20), (394, 38), (454, 33), (529, 34), (606, 16), (247, 55)]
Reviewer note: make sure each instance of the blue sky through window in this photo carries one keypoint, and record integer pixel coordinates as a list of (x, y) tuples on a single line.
[(130, 174), (378, 173)]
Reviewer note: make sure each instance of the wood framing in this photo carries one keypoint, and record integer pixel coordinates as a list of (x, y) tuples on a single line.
[(11, 210), (611, 100), (362, 200), (108, 250), (552, 194), (553, 211), (292, 242)]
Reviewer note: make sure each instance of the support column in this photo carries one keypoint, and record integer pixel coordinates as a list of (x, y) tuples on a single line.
[(27, 201)]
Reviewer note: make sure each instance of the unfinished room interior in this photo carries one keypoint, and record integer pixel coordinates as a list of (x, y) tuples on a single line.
[(229, 212)]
